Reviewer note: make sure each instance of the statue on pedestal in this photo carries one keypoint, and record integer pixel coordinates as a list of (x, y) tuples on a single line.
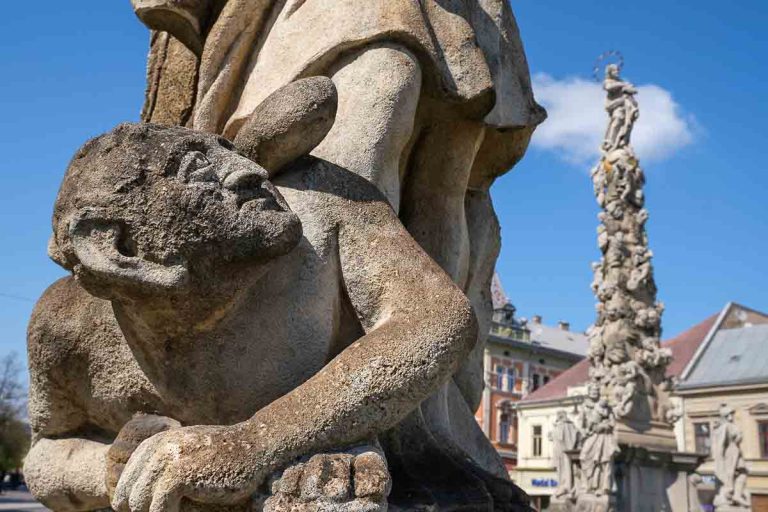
[(628, 387), (565, 437), (311, 189), (598, 447), (730, 469)]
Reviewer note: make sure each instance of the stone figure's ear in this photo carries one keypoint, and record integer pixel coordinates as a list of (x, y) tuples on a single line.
[(183, 20), (289, 123), (107, 264)]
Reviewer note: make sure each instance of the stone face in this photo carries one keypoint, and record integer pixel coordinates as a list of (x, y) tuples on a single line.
[(263, 307)]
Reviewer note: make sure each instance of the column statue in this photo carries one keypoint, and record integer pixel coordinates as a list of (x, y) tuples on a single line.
[(730, 469), (565, 437)]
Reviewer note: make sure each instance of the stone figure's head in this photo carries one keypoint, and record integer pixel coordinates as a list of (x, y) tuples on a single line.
[(562, 416), (593, 392), (612, 71), (727, 412), (146, 210)]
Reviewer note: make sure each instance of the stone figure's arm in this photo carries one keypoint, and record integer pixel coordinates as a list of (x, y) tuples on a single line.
[(64, 469), (612, 85), (419, 327), (68, 475), (186, 20)]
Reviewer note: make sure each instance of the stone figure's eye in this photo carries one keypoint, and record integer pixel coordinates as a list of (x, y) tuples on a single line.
[(196, 168)]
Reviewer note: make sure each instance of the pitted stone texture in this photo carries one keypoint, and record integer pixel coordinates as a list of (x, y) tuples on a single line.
[(269, 320), (356, 481)]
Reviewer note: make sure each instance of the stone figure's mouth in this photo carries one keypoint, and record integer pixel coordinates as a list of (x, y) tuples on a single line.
[(256, 199)]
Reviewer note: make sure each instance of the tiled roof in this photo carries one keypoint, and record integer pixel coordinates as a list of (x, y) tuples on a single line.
[(684, 345), (559, 339), (576, 375), (498, 297), (733, 356), (683, 348)]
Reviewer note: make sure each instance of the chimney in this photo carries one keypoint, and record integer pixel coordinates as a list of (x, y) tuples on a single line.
[(536, 319), (564, 326)]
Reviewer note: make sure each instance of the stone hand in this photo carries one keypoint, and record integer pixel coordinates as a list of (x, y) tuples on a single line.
[(204, 464), (353, 481), (133, 433)]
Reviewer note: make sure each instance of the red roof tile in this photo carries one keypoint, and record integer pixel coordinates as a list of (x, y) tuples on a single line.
[(683, 348)]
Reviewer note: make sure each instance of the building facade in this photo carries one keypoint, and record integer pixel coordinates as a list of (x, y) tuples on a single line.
[(520, 357), (536, 413), (730, 367)]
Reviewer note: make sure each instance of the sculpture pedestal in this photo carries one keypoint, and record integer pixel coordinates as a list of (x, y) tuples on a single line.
[(652, 480), (650, 476), (583, 503)]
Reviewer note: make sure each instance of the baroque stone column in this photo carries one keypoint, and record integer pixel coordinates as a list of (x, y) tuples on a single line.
[(627, 364), (626, 418)]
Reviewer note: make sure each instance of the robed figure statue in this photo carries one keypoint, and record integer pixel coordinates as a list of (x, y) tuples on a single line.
[(434, 103)]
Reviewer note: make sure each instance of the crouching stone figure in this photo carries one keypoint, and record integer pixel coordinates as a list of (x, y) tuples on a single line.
[(218, 327)]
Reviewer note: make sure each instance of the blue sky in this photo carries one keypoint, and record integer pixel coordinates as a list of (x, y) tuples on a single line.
[(74, 71)]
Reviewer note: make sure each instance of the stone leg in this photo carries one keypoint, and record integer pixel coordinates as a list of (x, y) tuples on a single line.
[(433, 205), (379, 91)]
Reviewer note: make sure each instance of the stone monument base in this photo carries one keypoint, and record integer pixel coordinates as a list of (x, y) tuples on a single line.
[(583, 503), (646, 480), (652, 480)]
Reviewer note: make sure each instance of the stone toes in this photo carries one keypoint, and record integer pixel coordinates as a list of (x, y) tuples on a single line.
[(327, 476), (372, 479), (290, 482), (338, 484)]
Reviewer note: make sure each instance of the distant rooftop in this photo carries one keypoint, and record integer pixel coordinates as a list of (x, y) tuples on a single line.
[(507, 328), (558, 338), (734, 353), (683, 347)]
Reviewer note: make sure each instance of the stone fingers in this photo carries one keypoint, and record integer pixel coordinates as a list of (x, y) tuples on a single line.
[(131, 473)]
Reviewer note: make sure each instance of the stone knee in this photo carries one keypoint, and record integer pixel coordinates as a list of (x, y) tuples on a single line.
[(379, 89)]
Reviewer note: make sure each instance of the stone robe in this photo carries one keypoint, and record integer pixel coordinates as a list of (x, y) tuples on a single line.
[(470, 47)]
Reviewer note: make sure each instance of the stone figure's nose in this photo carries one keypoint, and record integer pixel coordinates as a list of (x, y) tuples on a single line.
[(240, 179)]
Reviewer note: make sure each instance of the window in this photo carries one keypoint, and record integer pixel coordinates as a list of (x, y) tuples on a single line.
[(510, 379), (762, 431), (546, 379), (536, 381), (504, 428), (702, 437), (537, 440), (499, 377)]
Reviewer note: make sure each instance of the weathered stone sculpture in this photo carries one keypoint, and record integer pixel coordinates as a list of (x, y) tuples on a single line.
[(564, 437), (227, 343), (730, 469), (197, 296), (599, 446), (628, 403), (434, 103)]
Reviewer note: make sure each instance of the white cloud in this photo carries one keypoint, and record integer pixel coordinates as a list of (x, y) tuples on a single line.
[(577, 120)]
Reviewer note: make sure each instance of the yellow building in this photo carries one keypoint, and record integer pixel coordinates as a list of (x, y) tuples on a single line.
[(731, 367)]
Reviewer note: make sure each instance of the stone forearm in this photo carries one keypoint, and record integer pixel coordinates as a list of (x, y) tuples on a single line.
[(68, 475), (368, 388)]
